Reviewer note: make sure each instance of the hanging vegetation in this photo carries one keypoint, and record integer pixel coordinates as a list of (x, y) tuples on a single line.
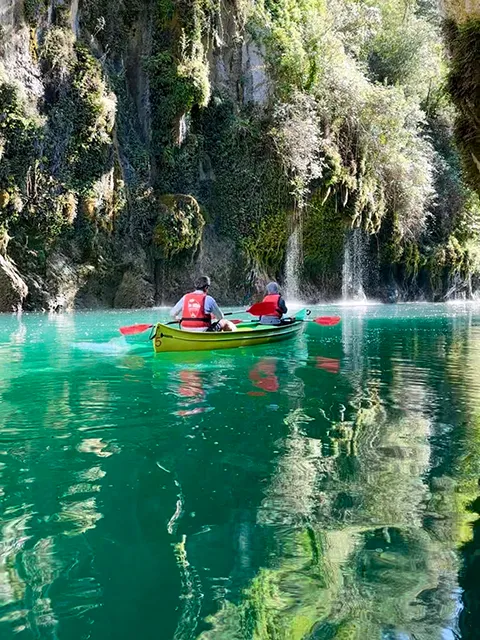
[(264, 114)]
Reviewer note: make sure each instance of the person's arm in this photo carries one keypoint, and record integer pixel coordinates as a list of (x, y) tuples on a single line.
[(212, 307), (282, 306), (177, 309)]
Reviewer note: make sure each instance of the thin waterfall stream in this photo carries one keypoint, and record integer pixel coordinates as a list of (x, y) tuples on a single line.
[(294, 261), (354, 265)]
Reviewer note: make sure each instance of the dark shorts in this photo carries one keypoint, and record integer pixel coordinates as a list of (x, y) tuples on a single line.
[(215, 326)]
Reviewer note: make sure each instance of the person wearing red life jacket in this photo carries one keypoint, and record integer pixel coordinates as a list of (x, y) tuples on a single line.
[(197, 311), (274, 296)]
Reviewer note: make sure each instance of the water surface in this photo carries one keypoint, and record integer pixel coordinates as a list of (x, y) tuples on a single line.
[(323, 488)]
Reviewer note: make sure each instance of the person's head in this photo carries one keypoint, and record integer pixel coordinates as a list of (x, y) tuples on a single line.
[(203, 282), (272, 288)]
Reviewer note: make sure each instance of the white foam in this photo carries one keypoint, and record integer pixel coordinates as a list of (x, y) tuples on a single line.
[(112, 347)]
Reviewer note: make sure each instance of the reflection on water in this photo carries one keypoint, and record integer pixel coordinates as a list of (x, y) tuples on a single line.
[(263, 376), (326, 488)]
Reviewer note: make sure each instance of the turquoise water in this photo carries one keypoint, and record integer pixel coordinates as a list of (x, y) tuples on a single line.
[(321, 488)]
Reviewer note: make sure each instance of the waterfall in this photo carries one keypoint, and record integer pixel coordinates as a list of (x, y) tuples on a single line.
[(293, 263), (354, 265), (74, 22), (182, 130), (460, 288)]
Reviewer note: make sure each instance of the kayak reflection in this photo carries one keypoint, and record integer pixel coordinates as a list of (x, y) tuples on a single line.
[(332, 365), (191, 384), (192, 392), (263, 376)]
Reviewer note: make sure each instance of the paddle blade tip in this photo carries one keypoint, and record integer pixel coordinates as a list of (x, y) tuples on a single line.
[(327, 321), (135, 328)]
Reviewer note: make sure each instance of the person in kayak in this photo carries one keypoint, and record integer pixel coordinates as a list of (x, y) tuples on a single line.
[(197, 311), (274, 296)]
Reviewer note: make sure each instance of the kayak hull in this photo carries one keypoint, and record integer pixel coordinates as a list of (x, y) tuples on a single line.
[(166, 338)]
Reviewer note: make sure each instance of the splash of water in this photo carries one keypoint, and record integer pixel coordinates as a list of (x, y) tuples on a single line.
[(115, 346), (354, 266)]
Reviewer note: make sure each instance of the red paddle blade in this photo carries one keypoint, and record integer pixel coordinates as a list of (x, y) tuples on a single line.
[(134, 328), (327, 321), (236, 321), (262, 309)]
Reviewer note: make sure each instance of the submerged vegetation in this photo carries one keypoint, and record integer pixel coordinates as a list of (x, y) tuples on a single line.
[(332, 114)]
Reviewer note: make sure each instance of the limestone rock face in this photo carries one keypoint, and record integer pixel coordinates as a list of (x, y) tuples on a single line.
[(135, 291), (64, 279), (237, 62), (13, 289), (462, 10)]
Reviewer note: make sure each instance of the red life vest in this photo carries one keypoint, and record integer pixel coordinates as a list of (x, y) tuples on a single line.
[(273, 298), (193, 314)]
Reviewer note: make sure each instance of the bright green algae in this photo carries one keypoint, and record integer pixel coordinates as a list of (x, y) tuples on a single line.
[(318, 488)]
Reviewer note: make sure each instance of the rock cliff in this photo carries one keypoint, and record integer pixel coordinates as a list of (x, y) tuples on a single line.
[(144, 142)]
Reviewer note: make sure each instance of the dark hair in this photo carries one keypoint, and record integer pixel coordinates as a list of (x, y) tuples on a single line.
[(202, 282)]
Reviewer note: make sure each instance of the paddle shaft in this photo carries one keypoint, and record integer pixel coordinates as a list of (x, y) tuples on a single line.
[(229, 313), (258, 309)]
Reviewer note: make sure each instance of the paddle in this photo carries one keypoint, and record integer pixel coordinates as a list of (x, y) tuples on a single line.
[(258, 309), (140, 328), (270, 308), (135, 328), (326, 321), (262, 309)]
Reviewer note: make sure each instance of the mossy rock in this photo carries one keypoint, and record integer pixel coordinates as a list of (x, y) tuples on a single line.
[(4, 240), (464, 87), (323, 239), (89, 207), (4, 199), (267, 246), (413, 259), (179, 226), (34, 11), (68, 206)]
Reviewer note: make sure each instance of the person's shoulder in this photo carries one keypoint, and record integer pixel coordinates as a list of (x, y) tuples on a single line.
[(210, 299)]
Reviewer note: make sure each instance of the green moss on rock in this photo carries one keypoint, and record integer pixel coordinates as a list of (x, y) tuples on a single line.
[(267, 245), (19, 131), (4, 198), (34, 11), (323, 238), (179, 78), (464, 86), (248, 194), (180, 225), (84, 117)]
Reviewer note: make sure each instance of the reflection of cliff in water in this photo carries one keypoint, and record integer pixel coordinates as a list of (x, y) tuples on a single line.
[(349, 555), (469, 581), (362, 515), (338, 521)]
